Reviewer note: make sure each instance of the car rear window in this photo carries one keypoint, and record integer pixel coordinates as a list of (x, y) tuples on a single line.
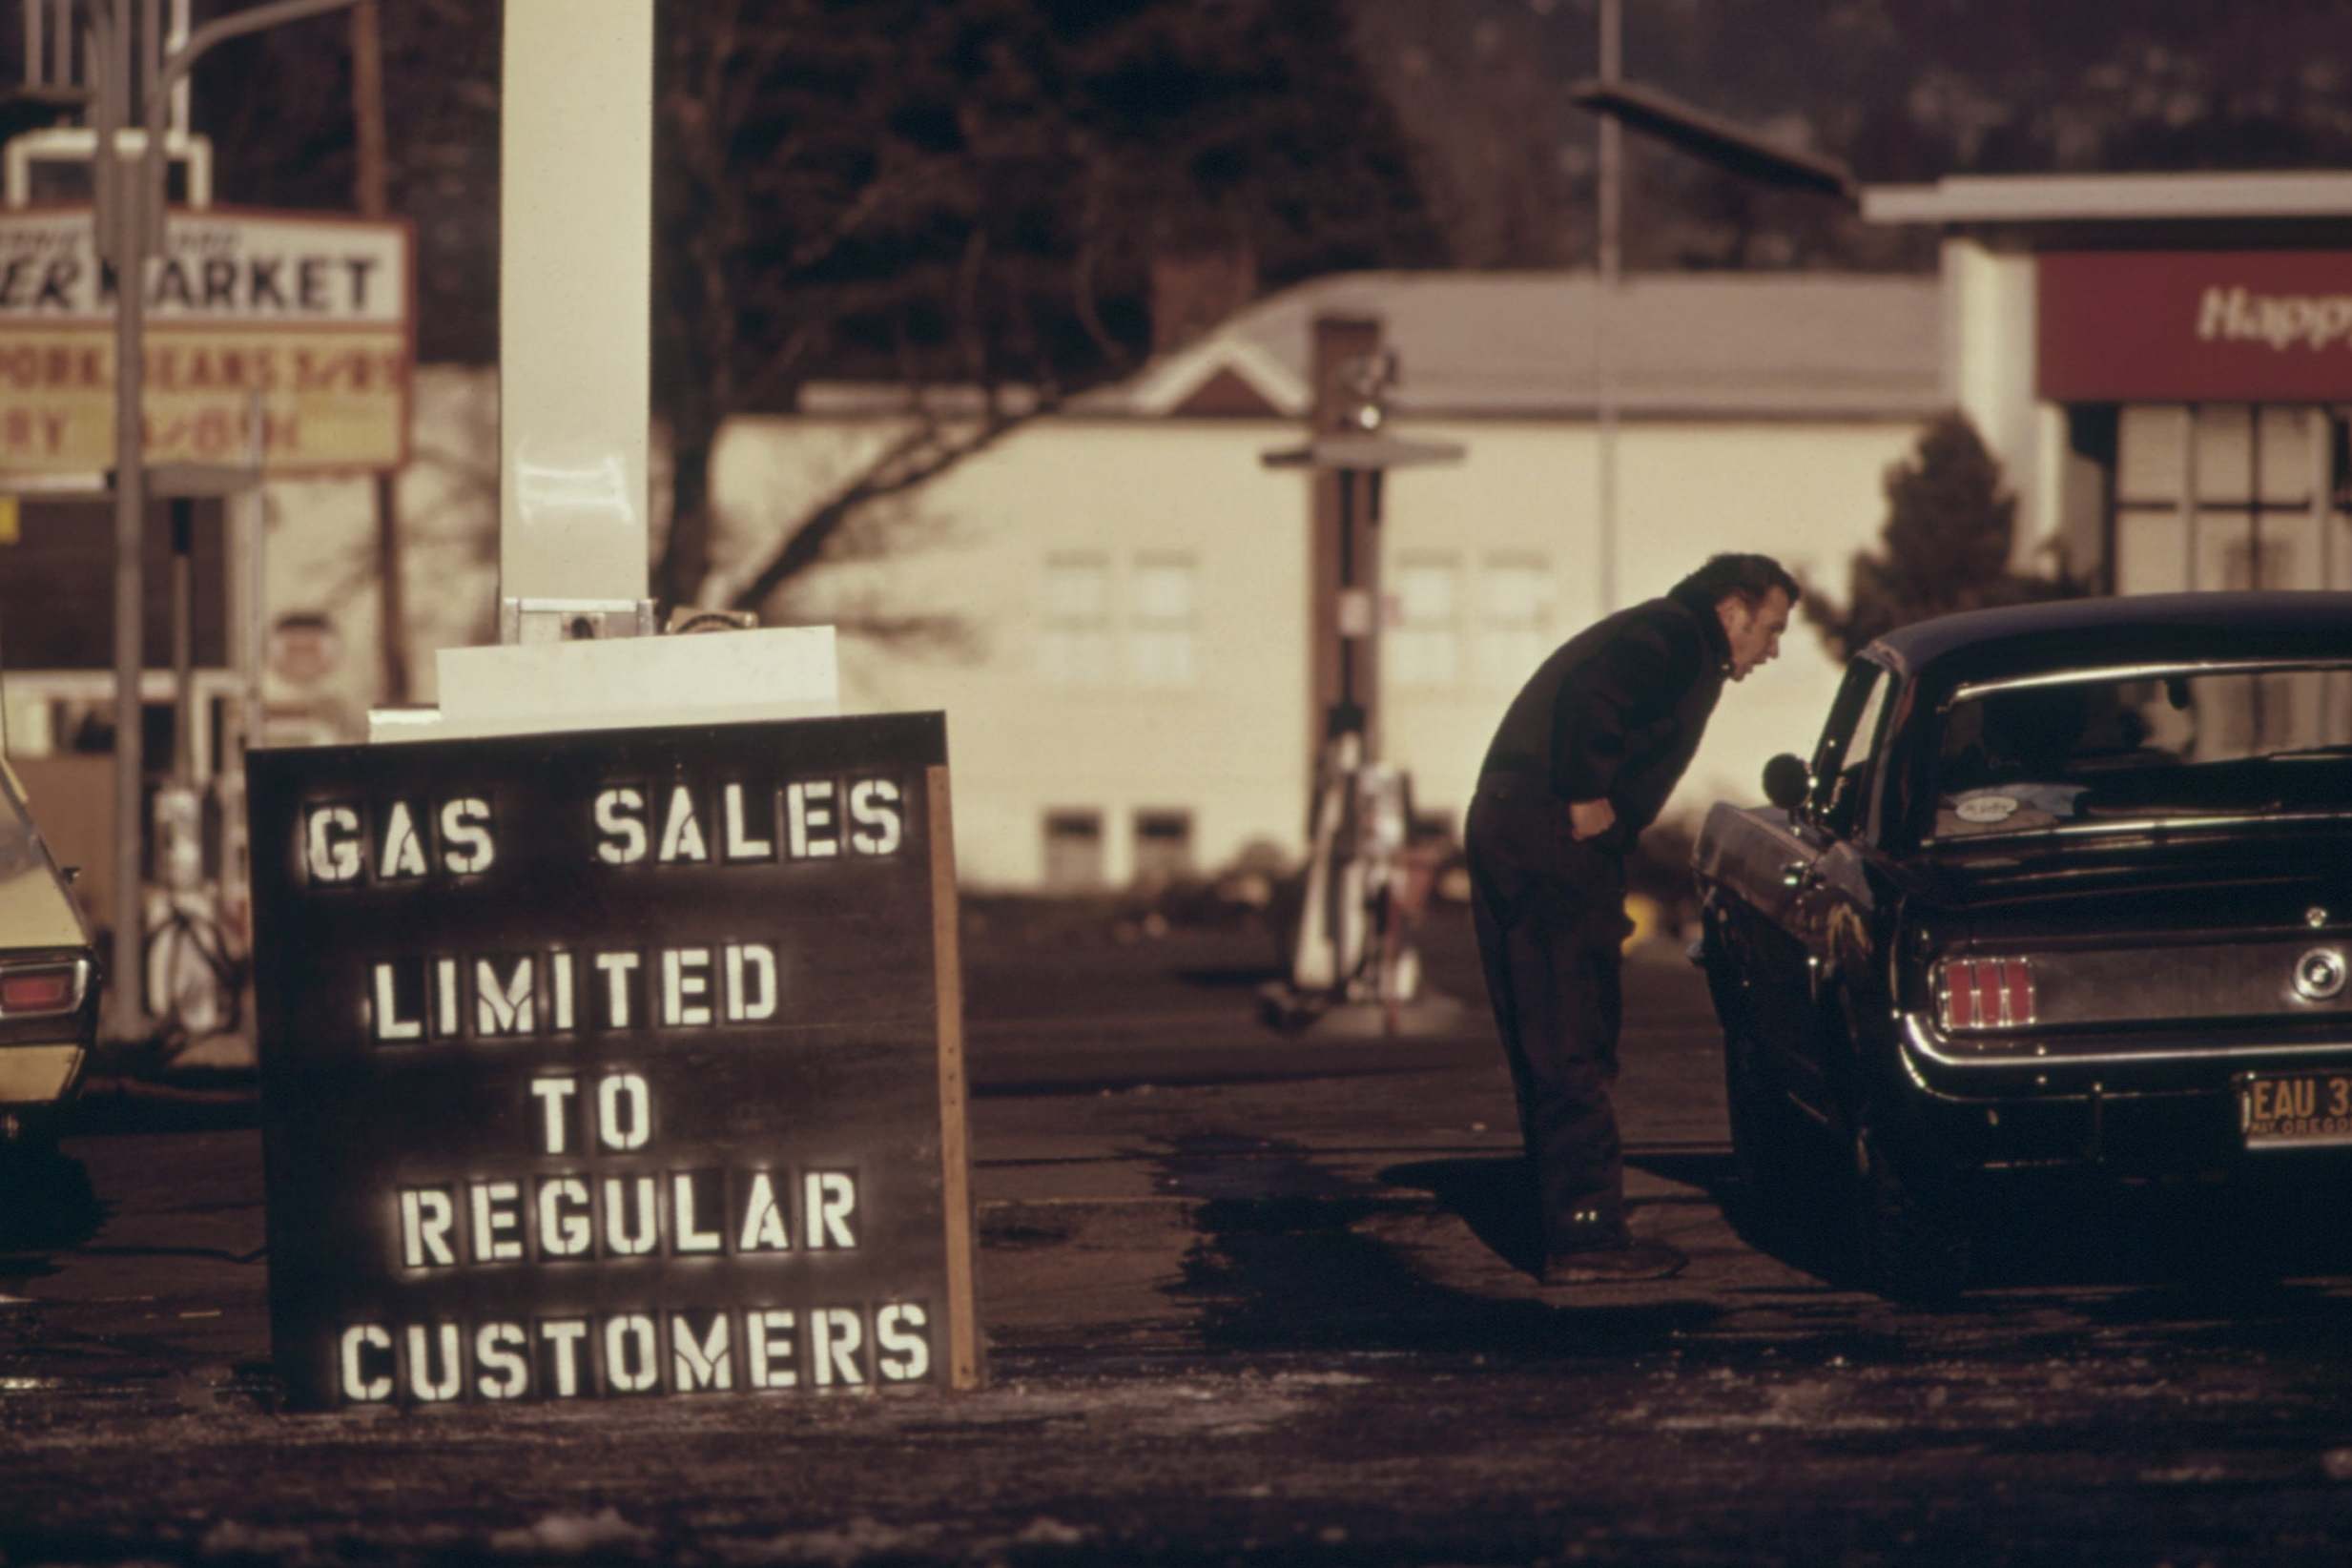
[(2027, 756)]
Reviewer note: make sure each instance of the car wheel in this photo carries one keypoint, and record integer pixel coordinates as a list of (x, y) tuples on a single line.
[(1916, 1236)]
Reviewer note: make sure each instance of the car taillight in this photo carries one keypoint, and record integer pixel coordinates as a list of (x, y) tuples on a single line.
[(47, 990), (1985, 993)]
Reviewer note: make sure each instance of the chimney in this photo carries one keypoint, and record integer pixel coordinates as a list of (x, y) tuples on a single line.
[(1195, 289)]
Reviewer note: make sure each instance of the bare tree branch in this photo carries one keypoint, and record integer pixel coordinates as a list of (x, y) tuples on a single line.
[(912, 461)]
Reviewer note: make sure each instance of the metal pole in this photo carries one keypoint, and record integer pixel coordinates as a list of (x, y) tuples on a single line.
[(125, 245), (183, 639), (368, 188), (128, 240), (1604, 366), (1347, 712)]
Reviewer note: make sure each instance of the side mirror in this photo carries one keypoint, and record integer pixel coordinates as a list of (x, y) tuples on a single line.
[(1787, 781)]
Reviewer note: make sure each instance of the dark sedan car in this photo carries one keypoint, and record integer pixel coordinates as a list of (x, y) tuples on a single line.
[(2063, 885)]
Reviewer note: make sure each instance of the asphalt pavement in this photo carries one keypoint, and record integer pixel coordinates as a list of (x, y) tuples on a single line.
[(1247, 1298)]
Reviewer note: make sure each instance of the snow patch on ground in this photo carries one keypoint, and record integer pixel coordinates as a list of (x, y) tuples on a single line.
[(1801, 1405), (572, 1534), (230, 1539), (840, 1547)]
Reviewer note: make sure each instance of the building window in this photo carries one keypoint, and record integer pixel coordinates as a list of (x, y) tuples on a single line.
[(1160, 630), (1424, 647), (1073, 850), (1163, 846), (1074, 641), (1515, 615), (2222, 496)]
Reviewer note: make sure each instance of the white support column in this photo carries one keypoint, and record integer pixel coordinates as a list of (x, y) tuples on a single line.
[(575, 253), (1990, 320)]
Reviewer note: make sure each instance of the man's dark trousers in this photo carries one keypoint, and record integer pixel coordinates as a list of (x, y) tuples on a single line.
[(1550, 916)]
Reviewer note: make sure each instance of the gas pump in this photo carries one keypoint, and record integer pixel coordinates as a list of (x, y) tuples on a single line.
[(1354, 968)]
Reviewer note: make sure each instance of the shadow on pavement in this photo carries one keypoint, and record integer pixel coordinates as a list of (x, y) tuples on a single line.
[(1307, 1262), (185, 1102), (1490, 1196), (50, 1206), (2202, 1239), (2158, 1252)]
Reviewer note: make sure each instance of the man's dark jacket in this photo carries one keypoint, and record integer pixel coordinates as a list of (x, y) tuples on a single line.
[(1616, 713)]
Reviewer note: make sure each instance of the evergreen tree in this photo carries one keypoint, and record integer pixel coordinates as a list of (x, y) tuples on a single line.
[(1949, 535)]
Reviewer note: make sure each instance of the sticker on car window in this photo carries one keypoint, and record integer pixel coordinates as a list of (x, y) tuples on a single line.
[(1986, 808)]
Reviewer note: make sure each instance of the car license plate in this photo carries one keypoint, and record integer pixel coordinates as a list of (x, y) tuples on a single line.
[(2281, 1109)]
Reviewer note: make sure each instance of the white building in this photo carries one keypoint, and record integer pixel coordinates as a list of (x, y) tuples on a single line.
[(1133, 584)]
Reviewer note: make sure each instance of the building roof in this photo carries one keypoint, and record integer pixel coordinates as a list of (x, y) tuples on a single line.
[(1523, 345), (2114, 198)]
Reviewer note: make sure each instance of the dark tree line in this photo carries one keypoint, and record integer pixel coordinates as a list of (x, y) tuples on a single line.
[(929, 194), (1902, 91)]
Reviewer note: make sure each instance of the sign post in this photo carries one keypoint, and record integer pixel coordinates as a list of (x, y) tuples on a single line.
[(618, 1063)]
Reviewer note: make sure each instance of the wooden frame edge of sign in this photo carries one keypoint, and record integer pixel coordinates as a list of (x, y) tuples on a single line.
[(963, 1354)]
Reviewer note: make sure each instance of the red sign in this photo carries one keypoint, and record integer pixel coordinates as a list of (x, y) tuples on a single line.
[(2175, 326)]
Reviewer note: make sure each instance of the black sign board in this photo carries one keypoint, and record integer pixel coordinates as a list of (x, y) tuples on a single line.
[(613, 1063)]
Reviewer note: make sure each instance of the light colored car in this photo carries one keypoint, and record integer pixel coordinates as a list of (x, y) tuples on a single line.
[(49, 979)]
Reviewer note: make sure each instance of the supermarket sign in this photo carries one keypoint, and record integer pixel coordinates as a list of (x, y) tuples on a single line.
[(287, 333)]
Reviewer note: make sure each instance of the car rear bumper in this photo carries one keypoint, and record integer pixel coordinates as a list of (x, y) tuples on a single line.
[(39, 1075), (2152, 1107)]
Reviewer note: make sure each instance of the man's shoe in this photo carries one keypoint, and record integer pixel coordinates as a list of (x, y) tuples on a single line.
[(1608, 1264)]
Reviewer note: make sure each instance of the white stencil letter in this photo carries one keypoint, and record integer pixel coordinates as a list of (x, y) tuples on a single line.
[(621, 827), (774, 1349), (389, 1024), (359, 1388), (564, 1228), (619, 1241), (834, 1337), (632, 1361), (763, 1229), (741, 845), (684, 1222), (498, 1356), (503, 1007), (555, 1112), (623, 1112), (331, 843), (903, 1342), (564, 1336), (807, 817), (700, 1363), (427, 1216), (877, 828), (617, 967), (827, 1199), (496, 1218), (403, 854), (466, 846), (430, 1385), (682, 828), (750, 983)]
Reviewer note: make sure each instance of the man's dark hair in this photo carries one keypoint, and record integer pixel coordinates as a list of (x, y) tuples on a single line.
[(1745, 577)]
